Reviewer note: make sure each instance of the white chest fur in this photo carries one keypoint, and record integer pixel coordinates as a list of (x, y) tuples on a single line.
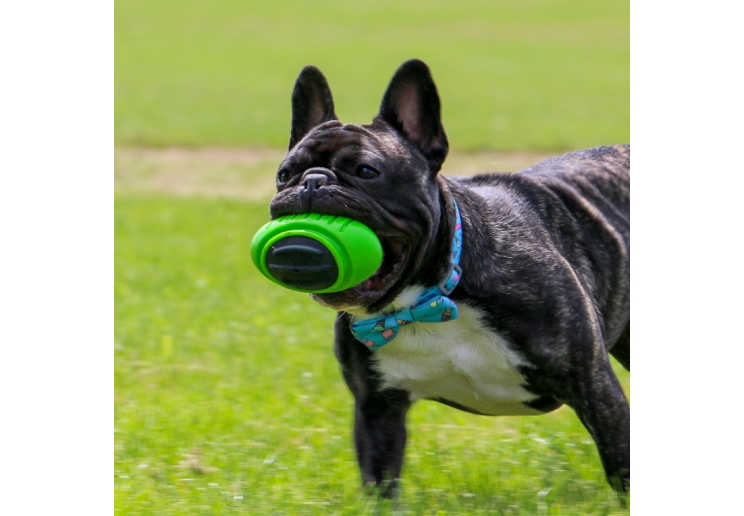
[(461, 360)]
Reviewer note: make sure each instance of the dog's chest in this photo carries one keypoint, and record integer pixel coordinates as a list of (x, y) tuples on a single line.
[(461, 361)]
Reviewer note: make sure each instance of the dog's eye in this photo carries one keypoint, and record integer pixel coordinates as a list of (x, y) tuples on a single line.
[(283, 175), (367, 172)]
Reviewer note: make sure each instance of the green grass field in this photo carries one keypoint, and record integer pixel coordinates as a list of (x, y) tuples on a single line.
[(229, 399), (512, 74)]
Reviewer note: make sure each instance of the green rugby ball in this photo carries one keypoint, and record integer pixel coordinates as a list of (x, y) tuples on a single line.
[(316, 253)]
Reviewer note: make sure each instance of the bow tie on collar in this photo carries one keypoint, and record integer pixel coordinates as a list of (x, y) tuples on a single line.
[(432, 305)]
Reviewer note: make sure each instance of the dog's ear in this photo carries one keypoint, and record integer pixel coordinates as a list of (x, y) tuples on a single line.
[(312, 104), (411, 106)]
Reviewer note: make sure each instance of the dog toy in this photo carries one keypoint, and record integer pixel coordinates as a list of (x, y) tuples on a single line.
[(316, 253)]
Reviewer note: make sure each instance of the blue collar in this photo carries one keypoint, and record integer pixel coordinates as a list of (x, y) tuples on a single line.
[(432, 305)]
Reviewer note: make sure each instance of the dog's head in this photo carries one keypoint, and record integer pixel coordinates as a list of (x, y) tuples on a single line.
[(382, 174)]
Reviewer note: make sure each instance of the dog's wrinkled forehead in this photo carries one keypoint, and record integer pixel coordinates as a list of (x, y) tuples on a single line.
[(333, 143)]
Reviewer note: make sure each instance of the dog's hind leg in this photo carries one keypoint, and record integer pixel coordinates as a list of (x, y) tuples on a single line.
[(603, 409), (621, 349)]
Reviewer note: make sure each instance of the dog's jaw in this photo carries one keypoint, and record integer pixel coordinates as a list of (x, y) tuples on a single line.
[(406, 298), (354, 310), (376, 288)]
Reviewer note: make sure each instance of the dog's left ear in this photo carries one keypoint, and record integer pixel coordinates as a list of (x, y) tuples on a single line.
[(312, 103), (411, 106)]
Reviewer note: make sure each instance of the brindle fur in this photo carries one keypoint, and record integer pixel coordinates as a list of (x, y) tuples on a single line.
[(545, 256)]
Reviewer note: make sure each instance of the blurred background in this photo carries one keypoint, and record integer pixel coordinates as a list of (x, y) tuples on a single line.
[(513, 74), (228, 397)]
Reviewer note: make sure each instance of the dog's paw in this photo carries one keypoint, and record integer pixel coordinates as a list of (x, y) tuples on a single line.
[(386, 489), (620, 482)]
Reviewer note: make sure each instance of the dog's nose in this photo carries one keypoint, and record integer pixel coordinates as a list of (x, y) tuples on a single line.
[(312, 182), (316, 177)]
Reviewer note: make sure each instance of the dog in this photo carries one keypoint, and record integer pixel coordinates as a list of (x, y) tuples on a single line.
[(534, 295)]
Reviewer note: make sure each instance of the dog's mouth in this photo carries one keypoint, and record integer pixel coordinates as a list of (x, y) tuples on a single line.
[(395, 257)]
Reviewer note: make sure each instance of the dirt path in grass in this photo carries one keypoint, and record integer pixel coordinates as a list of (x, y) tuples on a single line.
[(249, 173)]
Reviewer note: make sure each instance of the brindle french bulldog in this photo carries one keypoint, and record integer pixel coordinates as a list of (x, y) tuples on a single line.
[(542, 291)]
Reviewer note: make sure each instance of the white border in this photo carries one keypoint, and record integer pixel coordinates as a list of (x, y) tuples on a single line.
[(686, 112), (56, 220), (56, 184)]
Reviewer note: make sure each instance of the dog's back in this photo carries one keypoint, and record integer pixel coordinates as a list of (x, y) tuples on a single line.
[(594, 186), (577, 208)]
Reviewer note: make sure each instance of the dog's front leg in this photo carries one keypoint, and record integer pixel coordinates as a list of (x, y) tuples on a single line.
[(380, 438), (379, 414)]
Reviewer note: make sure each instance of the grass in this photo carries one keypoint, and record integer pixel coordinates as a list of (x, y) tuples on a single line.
[(229, 399), (513, 74)]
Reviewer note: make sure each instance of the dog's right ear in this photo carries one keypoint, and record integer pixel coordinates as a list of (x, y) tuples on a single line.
[(312, 104)]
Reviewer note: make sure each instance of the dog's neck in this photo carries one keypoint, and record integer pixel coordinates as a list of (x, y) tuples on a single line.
[(437, 255), (431, 306), (433, 267)]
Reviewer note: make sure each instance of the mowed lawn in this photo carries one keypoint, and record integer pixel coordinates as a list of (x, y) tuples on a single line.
[(512, 74), (229, 399)]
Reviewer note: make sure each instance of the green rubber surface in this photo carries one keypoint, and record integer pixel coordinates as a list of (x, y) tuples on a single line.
[(355, 248)]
